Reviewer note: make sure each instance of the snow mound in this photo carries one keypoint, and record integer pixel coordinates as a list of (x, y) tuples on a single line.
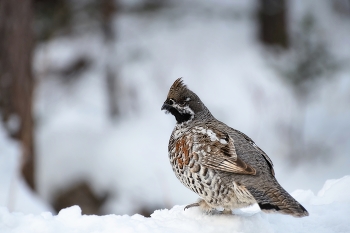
[(329, 212)]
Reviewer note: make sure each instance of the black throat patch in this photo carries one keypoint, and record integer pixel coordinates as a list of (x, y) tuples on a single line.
[(180, 117)]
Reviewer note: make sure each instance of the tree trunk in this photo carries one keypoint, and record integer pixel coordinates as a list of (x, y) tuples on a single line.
[(273, 28), (16, 78), (108, 9)]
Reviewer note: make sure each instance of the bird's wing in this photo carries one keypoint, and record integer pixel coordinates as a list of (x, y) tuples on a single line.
[(223, 156), (266, 157), (228, 165)]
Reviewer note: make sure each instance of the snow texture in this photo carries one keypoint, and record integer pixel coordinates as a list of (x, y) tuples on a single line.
[(329, 212)]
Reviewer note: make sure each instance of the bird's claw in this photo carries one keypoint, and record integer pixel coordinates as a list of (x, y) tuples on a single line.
[(191, 205)]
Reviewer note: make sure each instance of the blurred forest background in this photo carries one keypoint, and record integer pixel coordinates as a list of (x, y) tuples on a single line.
[(82, 83)]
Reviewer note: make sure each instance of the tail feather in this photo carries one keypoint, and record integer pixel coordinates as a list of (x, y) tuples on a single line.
[(296, 211), (277, 199)]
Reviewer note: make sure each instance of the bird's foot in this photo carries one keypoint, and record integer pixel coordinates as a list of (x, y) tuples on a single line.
[(203, 205), (227, 212), (191, 205)]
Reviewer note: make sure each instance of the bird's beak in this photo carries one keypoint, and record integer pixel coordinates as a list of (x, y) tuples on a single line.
[(165, 107)]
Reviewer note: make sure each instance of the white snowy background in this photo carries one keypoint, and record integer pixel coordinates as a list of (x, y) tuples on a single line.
[(218, 55)]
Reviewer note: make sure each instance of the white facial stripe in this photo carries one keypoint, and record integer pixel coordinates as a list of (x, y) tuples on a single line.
[(183, 109)]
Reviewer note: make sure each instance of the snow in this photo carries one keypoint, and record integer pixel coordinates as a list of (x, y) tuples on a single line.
[(329, 212), (14, 192)]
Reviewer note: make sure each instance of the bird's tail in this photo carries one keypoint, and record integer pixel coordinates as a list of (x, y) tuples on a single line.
[(276, 199)]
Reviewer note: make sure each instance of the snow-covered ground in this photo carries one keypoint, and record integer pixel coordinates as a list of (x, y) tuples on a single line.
[(329, 212)]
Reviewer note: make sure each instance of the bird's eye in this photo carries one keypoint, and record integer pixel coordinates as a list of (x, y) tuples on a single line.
[(171, 102)]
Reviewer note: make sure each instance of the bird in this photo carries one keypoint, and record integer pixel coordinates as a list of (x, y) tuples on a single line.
[(221, 164)]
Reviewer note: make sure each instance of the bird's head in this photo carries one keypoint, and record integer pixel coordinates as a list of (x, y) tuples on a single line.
[(183, 103)]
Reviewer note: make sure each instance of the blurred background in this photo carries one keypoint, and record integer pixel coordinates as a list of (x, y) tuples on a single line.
[(82, 83)]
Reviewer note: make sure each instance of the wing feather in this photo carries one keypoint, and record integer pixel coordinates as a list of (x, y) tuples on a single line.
[(225, 157), (266, 157), (228, 165)]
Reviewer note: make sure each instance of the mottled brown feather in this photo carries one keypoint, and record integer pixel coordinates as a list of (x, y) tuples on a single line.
[(226, 159)]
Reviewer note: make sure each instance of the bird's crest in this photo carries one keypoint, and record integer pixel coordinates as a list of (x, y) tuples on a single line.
[(176, 89), (178, 85)]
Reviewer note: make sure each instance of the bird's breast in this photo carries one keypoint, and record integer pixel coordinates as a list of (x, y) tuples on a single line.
[(181, 153)]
